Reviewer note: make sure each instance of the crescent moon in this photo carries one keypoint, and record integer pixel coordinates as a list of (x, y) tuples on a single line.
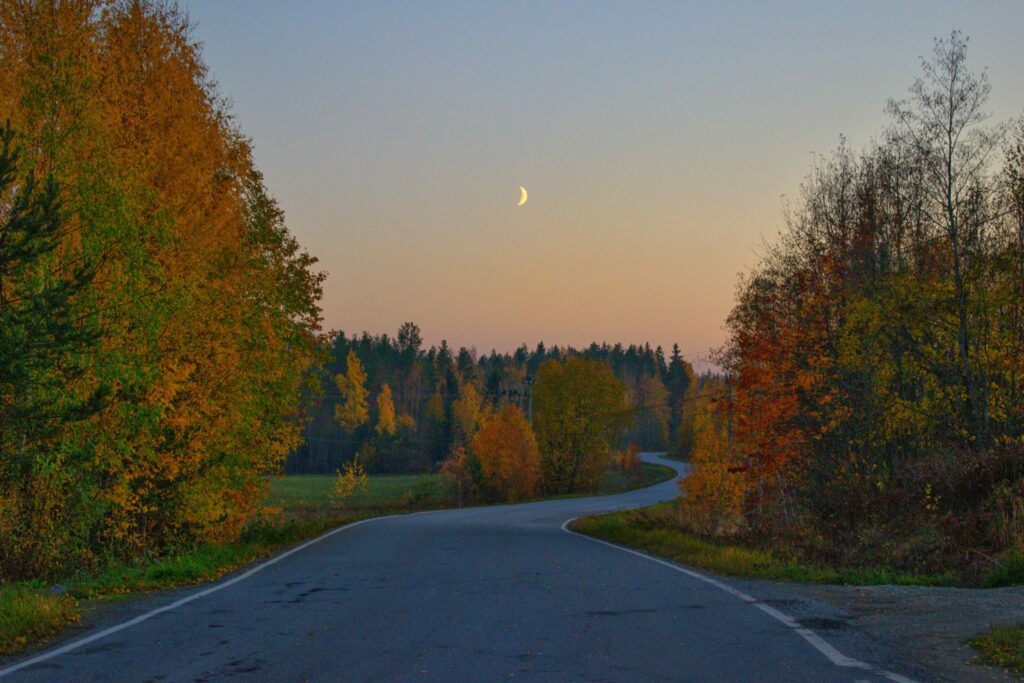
[(522, 196)]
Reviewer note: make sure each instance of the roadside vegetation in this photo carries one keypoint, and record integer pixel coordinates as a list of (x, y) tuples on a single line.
[(657, 530), (1002, 647), (870, 416), (29, 612)]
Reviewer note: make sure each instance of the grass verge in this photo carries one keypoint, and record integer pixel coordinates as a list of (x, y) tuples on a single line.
[(307, 496), (1009, 573), (1003, 647), (651, 529), (650, 474), (30, 611)]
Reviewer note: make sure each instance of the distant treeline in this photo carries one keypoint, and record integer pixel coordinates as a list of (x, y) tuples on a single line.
[(427, 384), (157, 320), (874, 410)]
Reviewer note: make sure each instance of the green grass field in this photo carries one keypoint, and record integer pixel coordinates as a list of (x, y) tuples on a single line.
[(304, 495)]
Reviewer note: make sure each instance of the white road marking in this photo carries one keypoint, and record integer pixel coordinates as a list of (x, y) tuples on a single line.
[(819, 643), (74, 645)]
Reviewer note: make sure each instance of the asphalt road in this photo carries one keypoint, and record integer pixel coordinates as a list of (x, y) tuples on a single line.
[(482, 594)]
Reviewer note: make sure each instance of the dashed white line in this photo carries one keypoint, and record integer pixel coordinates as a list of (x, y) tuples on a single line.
[(819, 643)]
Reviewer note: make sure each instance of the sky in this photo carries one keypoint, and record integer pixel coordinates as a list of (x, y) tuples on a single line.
[(658, 142)]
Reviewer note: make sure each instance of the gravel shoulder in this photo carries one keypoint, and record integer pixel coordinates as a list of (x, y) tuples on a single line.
[(923, 626)]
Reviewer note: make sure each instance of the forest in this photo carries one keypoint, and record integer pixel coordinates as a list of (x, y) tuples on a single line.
[(437, 393), (873, 412)]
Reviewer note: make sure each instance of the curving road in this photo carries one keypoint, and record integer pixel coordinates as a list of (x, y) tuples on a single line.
[(481, 594)]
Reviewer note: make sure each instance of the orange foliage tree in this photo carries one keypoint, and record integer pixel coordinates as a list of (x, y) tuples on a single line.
[(507, 452)]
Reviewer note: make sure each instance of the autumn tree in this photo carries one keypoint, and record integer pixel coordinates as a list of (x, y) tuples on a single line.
[(349, 481), (580, 412), (715, 491), (629, 460), (874, 382), (461, 473), (441, 396), (466, 413), (206, 308), (386, 422), (506, 449), (354, 410), (942, 126), (683, 419), (42, 342)]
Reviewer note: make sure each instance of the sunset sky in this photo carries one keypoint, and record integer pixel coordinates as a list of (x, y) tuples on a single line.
[(656, 141)]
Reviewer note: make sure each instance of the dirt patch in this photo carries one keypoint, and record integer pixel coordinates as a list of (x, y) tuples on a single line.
[(927, 626)]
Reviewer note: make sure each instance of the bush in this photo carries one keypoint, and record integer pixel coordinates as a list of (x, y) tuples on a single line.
[(1009, 573), (426, 489)]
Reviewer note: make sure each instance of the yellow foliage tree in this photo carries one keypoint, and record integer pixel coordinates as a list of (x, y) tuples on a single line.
[(715, 490), (580, 412), (350, 480), (629, 460), (354, 409), (406, 423), (466, 412)]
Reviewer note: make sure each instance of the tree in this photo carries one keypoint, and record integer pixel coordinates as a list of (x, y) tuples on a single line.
[(684, 415), (354, 410), (436, 426), (386, 423), (466, 413), (203, 309), (651, 400), (44, 338), (680, 380), (507, 451), (629, 460), (350, 480), (941, 124), (714, 492), (461, 471), (409, 341), (580, 412)]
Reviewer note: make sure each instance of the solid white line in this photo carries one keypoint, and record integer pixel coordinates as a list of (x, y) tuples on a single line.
[(74, 645), (819, 643)]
